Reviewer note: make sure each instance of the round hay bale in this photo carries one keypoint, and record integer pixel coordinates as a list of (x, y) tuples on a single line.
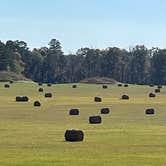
[(126, 85), (37, 104), (49, 84), (40, 84), (105, 111), (95, 119), (41, 90), (149, 111), (74, 112), (151, 85), (119, 85), (22, 99), (74, 135), (125, 97), (98, 99), (105, 86), (18, 98), (25, 99), (48, 95), (74, 86), (157, 90), (152, 95), (159, 86), (7, 86)]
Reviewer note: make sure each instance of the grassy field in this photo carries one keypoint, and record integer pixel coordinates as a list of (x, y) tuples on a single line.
[(127, 137)]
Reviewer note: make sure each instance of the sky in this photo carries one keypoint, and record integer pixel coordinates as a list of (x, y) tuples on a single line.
[(84, 23)]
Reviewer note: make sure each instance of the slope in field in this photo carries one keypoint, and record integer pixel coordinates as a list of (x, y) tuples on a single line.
[(99, 80), (7, 76)]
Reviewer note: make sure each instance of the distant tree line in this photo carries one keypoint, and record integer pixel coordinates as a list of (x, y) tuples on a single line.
[(138, 65)]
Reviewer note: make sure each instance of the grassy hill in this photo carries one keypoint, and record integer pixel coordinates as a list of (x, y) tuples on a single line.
[(7, 76), (127, 137), (99, 80)]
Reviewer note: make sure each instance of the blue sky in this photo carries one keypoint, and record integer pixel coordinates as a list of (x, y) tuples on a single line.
[(84, 23)]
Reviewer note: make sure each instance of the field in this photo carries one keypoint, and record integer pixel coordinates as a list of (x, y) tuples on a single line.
[(127, 137)]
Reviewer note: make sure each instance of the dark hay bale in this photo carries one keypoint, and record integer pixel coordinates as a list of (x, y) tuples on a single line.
[(49, 84), (41, 90), (95, 119), (152, 95), (25, 98), (37, 104), (18, 98), (119, 85), (74, 86), (74, 112), (157, 90), (74, 135), (48, 95), (98, 99), (7, 86), (105, 111), (105, 86), (159, 86), (125, 97), (22, 99), (126, 85), (151, 85), (149, 111), (40, 84)]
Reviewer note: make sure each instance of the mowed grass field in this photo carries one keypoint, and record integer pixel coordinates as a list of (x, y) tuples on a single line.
[(127, 137)]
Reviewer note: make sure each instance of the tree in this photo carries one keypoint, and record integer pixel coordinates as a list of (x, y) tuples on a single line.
[(140, 65), (159, 67)]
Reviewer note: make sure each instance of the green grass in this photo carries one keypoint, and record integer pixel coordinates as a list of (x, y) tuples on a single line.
[(127, 137)]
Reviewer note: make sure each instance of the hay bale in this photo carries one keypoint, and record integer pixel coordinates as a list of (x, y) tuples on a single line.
[(125, 97), (159, 86), (41, 90), (149, 111), (22, 99), (74, 112), (151, 85), (37, 104), (18, 98), (152, 95), (40, 84), (105, 86), (74, 86), (48, 95), (98, 99), (7, 86), (126, 85), (74, 135), (105, 111), (119, 85), (95, 119), (157, 90), (49, 84)]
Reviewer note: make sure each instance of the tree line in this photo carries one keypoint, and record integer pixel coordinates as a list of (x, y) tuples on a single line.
[(138, 65)]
